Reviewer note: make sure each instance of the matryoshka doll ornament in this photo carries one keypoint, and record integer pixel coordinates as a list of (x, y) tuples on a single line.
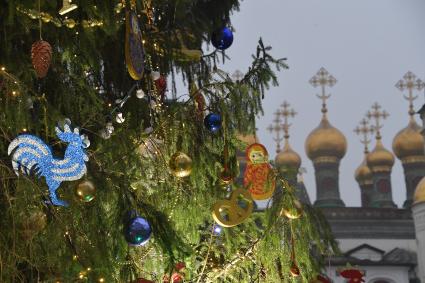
[(259, 176)]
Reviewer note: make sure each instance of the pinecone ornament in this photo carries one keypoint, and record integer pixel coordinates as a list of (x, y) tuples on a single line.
[(41, 56)]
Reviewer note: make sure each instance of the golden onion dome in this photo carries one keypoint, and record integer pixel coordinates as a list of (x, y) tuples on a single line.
[(325, 141), (409, 141), (380, 159), (363, 175), (419, 195), (288, 158)]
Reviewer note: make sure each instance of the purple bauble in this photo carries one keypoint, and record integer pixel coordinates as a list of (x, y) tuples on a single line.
[(138, 231)]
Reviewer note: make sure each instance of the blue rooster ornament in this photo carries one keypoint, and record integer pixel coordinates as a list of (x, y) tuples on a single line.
[(31, 155)]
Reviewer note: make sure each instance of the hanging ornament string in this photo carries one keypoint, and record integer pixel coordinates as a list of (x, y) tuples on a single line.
[(39, 18), (226, 145), (294, 269)]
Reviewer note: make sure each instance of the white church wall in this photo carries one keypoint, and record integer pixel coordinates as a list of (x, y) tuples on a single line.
[(419, 217)]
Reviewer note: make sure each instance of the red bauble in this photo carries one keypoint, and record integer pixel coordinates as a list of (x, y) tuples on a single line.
[(176, 278), (161, 87), (180, 265), (142, 280)]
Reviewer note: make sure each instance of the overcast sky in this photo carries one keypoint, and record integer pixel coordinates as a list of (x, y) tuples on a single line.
[(366, 45)]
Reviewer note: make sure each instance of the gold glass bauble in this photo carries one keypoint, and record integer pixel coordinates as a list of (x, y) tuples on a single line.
[(180, 165), (294, 212), (46, 17), (85, 191), (70, 23), (32, 15)]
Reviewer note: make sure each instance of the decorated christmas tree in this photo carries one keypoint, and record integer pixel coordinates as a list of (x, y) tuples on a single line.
[(111, 173)]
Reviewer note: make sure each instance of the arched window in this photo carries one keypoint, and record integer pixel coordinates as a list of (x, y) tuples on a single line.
[(381, 281)]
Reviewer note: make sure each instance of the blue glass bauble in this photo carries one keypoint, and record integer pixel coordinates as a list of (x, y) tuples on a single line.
[(213, 122), (138, 231), (222, 38)]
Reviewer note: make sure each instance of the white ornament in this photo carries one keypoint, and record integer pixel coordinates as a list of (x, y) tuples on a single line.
[(140, 93), (155, 75), (119, 118), (105, 134), (30, 103)]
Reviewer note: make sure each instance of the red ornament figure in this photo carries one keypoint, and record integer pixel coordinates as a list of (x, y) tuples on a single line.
[(353, 275), (161, 87), (258, 176)]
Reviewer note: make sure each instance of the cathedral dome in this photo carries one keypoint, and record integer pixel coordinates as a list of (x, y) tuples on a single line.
[(325, 140), (409, 141), (288, 158), (419, 195), (380, 159), (363, 173)]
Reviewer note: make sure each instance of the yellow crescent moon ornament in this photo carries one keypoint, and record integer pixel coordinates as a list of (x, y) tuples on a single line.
[(234, 211), (134, 53)]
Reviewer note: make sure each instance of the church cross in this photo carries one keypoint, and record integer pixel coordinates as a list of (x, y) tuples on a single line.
[(323, 79), (364, 130), (410, 83), (378, 115), (277, 128), (285, 112)]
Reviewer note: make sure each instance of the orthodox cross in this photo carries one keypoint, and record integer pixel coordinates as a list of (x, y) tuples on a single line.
[(285, 112), (378, 115), (277, 128), (410, 83), (364, 130), (323, 79)]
